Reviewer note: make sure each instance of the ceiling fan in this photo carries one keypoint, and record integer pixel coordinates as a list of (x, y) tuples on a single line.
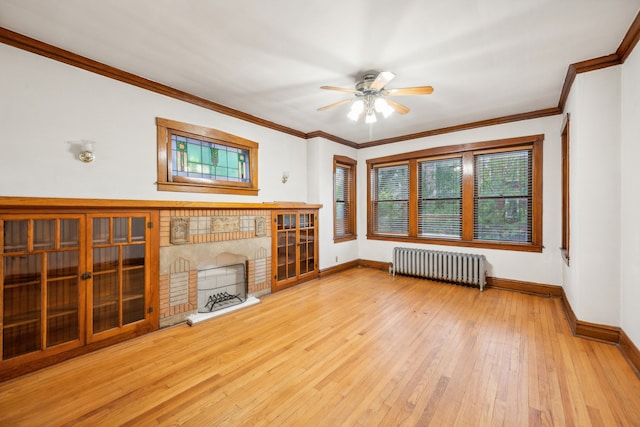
[(371, 96)]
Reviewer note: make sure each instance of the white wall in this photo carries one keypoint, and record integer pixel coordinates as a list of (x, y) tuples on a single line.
[(44, 104), (593, 277), (542, 267), (321, 152), (570, 279), (630, 274)]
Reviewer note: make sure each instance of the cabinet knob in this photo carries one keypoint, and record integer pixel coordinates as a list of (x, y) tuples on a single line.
[(86, 275)]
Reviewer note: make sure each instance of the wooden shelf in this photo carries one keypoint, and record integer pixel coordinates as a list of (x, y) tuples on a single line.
[(104, 302), (62, 278), (103, 272), (62, 311), (132, 297), (85, 204), (22, 319), (9, 285), (15, 248), (133, 267)]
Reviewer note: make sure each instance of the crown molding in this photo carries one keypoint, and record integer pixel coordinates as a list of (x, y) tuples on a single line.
[(630, 40), (621, 54), (325, 135), (482, 123)]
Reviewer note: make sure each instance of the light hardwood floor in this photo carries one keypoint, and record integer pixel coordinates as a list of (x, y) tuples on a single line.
[(355, 348)]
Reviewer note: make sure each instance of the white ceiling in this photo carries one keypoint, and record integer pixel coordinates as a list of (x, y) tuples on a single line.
[(484, 58)]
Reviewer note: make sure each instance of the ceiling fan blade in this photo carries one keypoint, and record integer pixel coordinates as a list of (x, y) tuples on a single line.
[(400, 109), (381, 80), (418, 90), (339, 89), (335, 104)]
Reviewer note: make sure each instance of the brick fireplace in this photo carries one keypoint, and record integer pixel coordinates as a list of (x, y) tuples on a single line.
[(193, 239)]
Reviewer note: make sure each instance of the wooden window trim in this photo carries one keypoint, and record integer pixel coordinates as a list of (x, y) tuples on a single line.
[(566, 205), (351, 165), (168, 182), (467, 151), (371, 225)]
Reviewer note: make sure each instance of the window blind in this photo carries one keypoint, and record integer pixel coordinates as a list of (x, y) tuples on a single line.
[(390, 199), (343, 185), (503, 196), (440, 198)]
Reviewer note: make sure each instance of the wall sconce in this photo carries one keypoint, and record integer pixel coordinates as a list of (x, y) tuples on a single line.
[(86, 153), (285, 177)]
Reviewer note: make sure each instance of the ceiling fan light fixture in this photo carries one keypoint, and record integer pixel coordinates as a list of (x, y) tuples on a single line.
[(371, 97), (356, 110), (383, 107), (370, 118)]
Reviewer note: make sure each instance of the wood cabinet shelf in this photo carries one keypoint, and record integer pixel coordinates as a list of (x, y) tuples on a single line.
[(105, 303), (104, 272), (61, 278), (21, 319), (11, 285), (131, 297), (62, 311)]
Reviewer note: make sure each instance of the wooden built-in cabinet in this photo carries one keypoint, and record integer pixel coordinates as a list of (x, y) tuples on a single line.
[(69, 280), (295, 247)]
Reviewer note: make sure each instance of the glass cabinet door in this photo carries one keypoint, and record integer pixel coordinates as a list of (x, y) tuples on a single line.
[(307, 242), (119, 273), (286, 245), (294, 248), (41, 289)]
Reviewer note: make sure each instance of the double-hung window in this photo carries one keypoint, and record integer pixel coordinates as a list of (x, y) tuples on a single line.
[(390, 199), (440, 198), (486, 194), (344, 202), (503, 196)]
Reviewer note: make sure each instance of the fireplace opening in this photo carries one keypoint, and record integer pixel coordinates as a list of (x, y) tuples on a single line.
[(221, 287)]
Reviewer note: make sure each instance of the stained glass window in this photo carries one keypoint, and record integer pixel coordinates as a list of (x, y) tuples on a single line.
[(202, 159), (194, 158)]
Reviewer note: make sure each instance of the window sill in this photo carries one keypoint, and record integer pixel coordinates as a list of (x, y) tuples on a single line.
[(344, 238), (197, 188), (522, 247)]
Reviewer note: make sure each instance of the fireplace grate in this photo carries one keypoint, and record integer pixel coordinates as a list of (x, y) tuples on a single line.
[(215, 300), (221, 286)]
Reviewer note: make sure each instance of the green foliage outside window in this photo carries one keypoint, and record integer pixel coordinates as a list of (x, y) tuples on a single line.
[(440, 203), (503, 196), (391, 203)]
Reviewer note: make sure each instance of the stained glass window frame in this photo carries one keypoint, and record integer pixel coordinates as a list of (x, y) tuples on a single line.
[(210, 160)]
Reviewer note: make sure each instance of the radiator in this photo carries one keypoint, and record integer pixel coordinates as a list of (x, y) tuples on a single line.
[(465, 269)]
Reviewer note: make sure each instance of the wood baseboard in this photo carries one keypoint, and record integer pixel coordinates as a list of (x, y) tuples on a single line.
[(384, 266), (338, 268), (528, 287), (571, 316), (580, 328), (630, 351)]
